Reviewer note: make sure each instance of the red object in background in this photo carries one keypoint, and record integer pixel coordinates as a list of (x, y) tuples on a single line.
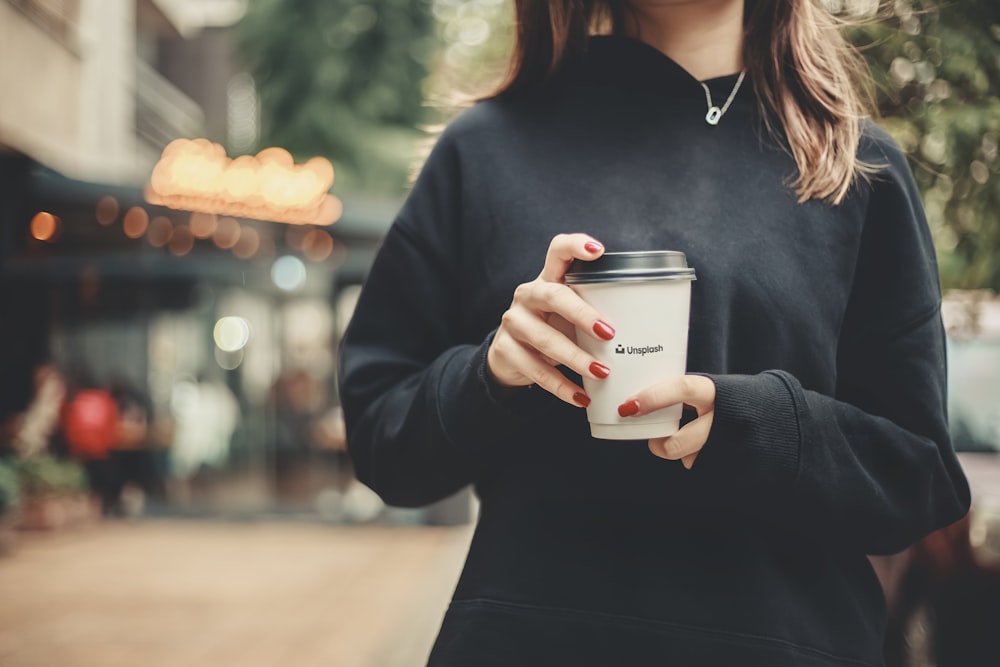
[(90, 422)]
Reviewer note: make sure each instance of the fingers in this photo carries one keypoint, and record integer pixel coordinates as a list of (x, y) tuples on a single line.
[(527, 346), (549, 299), (694, 390), (536, 334), (685, 444), (531, 366), (563, 249)]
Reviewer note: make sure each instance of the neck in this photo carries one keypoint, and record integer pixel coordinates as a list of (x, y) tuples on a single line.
[(705, 37)]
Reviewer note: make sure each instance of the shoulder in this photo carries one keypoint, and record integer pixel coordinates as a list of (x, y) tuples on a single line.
[(479, 135), (492, 117), (880, 151), (895, 217), (888, 173)]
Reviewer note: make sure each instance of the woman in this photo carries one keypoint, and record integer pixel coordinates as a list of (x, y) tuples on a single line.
[(816, 346)]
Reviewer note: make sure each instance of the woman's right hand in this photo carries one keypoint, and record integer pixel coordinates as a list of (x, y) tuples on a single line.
[(536, 332)]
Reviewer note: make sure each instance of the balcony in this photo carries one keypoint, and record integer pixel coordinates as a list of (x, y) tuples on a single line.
[(162, 112)]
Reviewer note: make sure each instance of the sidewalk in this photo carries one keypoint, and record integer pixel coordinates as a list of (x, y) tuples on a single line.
[(170, 593)]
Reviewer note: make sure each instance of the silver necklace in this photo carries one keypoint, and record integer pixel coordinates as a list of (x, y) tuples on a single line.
[(715, 114)]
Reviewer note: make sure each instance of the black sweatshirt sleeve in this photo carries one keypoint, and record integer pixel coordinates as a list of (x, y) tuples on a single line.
[(871, 468), (415, 397)]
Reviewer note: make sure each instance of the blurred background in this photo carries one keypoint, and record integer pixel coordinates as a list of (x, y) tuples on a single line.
[(174, 487)]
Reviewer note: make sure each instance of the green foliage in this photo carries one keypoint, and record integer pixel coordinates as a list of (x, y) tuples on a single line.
[(10, 487), (476, 37), (342, 79), (42, 475), (937, 70)]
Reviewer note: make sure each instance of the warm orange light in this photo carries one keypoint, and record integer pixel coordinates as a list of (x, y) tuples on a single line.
[(317, 245), (182, 241), (160, 231), (249, 243), (227, 233), (135, 223), (44, 226), (196, 175), (267, 249), (203, 224), (296, 235), (107, 210)]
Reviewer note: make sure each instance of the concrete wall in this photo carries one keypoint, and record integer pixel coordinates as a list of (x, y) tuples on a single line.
[(40, 80), (107, 145), (69, 100)]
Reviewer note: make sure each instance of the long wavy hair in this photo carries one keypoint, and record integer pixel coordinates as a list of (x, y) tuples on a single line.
[(810, 83)]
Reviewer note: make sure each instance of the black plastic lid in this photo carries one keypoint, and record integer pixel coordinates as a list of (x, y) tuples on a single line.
[(617, 267)]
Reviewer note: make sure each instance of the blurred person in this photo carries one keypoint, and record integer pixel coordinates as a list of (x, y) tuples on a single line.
[(205, 415), (297, 399), (34, 429), (733, 131), (132, 460), (90, 427)]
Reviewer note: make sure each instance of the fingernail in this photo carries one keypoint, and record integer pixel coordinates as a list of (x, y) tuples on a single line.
[(604, 330), (628, 408), (582, 399), (593, 246), (600, 370)]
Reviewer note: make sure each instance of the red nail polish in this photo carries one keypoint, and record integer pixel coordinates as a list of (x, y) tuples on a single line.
[(628, 408), (604, 330), (600, 370), (593, 246), (582, 399)]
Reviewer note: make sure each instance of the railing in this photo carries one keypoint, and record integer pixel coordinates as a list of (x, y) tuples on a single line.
[(162, 112)]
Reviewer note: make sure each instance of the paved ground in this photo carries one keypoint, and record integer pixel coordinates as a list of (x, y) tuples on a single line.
[(170, 593)]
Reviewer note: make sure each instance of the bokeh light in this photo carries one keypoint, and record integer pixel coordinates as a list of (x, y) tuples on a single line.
[(268, 249), (44, 226), (136, 222), (196, 175), (295, 236), (231, 333), (227, 233), (229, 361), (203, 225), (182, 241), (107, 210), (160, 231), (248, 244), (317, 245), (288, 273)]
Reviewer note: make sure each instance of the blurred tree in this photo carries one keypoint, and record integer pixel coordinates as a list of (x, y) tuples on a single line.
[(936, 66), (342, 79), (476, 38)]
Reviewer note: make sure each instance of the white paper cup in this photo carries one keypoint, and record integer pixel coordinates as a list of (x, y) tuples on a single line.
[(646, 296)]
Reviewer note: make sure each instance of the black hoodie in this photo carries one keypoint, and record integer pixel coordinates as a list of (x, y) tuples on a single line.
[(819, 324)]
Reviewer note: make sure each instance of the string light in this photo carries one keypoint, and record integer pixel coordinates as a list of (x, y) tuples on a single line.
[(160, 231), (196, 175), (107, 210), (136, 222), (44, 226)]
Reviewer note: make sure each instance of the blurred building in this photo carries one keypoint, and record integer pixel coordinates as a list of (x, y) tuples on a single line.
[(229, 326)]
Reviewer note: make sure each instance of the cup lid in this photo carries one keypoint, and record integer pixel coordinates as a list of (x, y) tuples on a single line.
[(614, 267)]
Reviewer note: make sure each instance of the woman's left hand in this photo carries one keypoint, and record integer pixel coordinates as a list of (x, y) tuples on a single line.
[(694, 390)]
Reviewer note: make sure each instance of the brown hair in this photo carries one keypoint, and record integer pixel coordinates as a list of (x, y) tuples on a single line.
[(810, 83)]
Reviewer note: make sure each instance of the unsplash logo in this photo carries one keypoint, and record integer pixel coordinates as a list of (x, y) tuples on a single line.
[(640, 351)]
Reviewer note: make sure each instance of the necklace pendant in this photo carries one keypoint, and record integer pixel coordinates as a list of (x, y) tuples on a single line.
[(713, 116)]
